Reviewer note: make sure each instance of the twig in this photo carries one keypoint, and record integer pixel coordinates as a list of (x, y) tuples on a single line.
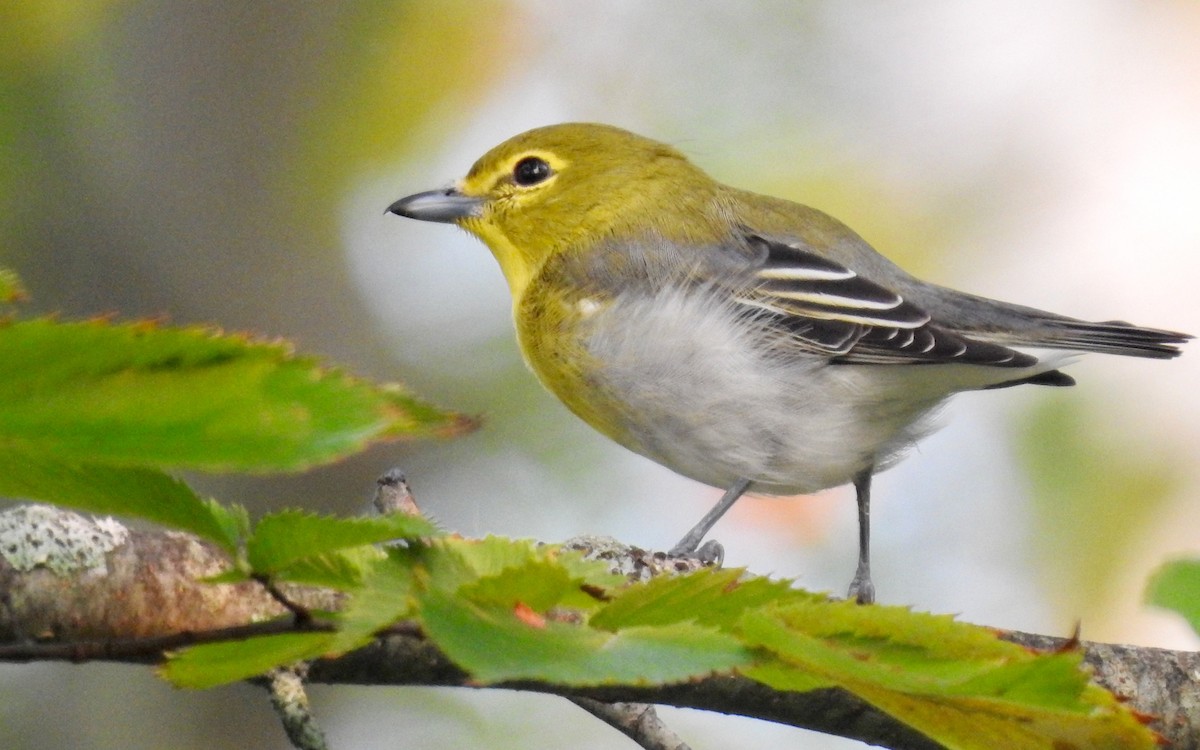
[(301, 614), (637, 721), (290, 701), (393, 495)]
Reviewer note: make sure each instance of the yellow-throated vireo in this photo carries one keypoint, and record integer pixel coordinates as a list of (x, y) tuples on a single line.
[(748, 342)]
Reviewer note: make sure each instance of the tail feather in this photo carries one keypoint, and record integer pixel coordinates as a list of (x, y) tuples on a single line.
[(1020, 326), (1069, 334), (1113, 337)]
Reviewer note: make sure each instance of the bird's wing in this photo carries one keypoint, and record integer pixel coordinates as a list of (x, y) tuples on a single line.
[(829, 309)]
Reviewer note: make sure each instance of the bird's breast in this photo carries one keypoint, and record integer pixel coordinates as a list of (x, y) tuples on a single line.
[(688, 379)]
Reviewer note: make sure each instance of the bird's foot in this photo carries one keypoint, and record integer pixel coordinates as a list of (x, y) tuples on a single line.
[(710, 554), (862, 590)]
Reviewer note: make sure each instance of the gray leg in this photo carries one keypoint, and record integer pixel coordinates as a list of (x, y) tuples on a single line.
[(861, 588), (691, 540)]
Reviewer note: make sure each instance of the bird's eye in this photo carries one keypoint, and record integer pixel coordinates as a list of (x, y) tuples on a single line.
[(531, 170)]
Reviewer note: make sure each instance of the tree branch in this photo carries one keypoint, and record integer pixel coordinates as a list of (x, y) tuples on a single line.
[(81, 590), (409, 660), (290, 701), (637, 721)]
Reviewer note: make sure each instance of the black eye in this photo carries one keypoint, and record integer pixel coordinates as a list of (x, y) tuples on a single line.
[(531, 170)]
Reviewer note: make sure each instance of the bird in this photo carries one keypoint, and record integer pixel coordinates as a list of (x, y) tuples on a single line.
[(748, 342)]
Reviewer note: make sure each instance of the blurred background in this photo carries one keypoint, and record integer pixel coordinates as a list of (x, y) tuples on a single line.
[(230, 162)]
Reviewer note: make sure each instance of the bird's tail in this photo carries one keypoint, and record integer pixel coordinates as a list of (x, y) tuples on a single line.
[(1109, 337), (1019, 326)]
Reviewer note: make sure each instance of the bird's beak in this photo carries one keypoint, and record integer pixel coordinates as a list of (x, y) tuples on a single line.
[(447, 205)]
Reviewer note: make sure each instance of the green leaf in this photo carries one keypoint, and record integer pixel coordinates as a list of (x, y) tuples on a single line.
[(507, 570), (494, 645), (596, 573), (283, 539), (1176, 586), (144, 493), (213, 664), (492, 554), (453, 562), (493, 573), (538, 584), (343, 569), (233, 519), (956, 683), (904, 650), (383, 598), (716, 597), (137, 394)]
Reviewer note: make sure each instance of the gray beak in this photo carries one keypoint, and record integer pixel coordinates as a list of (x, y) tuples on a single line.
[(446, 205)]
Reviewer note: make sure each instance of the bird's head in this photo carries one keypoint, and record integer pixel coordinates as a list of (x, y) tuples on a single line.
[(564, 188)]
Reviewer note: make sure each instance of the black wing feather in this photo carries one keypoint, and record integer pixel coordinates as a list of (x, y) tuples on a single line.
[(829, 309)]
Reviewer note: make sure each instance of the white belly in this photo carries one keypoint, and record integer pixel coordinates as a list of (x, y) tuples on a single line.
[(702, 393)]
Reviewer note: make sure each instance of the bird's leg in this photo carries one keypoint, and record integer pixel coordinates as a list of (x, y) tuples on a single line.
[(861, 588), (691, 540)]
